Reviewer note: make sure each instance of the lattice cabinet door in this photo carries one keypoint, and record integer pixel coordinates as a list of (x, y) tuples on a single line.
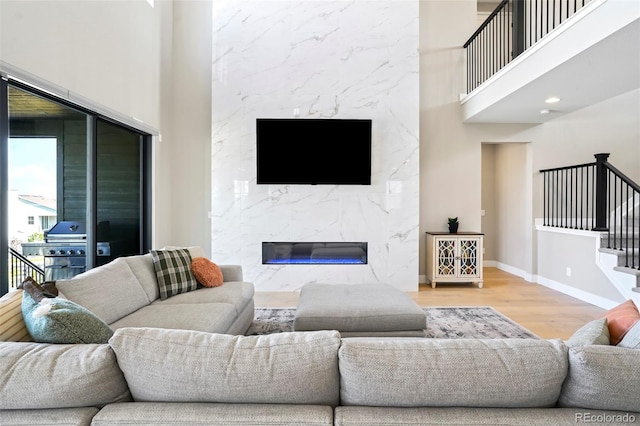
[(446, 252), (454, 257), (468, 257)]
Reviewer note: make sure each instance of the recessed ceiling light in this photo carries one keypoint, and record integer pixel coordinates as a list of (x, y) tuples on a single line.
[(552, 100), (545, 111)]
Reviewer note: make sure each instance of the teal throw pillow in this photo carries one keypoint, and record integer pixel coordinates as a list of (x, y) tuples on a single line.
[(173, 272), (56, 320)]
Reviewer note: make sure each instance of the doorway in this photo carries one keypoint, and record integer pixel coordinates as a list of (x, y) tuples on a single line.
[(507, 206)]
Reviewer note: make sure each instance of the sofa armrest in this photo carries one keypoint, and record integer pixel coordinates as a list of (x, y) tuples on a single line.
[(231, 272)]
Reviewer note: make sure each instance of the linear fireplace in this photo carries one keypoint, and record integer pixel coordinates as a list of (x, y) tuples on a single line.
[(312, 253)]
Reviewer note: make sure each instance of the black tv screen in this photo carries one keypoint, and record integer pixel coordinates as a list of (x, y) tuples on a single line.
[(313, 151)]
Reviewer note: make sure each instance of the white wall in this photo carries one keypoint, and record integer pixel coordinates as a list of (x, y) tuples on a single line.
[(506, 187), (107, 51), (583, 278), (339, 59), (189, 111), (489, 204), (513, 206), (450, 173)]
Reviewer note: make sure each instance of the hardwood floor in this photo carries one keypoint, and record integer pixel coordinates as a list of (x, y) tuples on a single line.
[(545, 312)]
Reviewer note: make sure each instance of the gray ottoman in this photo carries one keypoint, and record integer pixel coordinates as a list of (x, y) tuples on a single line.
[(373, 310)]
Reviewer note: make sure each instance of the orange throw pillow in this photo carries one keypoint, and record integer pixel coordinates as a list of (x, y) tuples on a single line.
[(206, 272), (620, 320)]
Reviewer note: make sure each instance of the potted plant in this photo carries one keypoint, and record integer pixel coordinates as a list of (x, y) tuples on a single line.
[(453, 225)]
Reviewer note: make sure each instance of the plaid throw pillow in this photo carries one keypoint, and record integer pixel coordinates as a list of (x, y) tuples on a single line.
[(173, 271)]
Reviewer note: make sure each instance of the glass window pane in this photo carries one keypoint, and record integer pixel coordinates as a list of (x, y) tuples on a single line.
[(47, 176), (118, 188)]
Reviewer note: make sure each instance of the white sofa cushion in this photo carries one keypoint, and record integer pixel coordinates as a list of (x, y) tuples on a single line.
[(209, 317), (631, 340), (212, 414), (465, 416), (37, 375), (451, 372), (54, 416), (236, 293), (602, 377), (595, 332), (191, 366), (142, 267), (110, 291)]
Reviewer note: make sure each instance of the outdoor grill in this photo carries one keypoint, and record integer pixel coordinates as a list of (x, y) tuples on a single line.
[(65, 249)]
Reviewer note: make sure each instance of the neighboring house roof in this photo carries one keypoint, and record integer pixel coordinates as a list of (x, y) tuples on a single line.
[(40, 201)]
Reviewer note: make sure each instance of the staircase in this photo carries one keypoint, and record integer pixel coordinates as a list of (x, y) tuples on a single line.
[(618, 251), (598, 197)]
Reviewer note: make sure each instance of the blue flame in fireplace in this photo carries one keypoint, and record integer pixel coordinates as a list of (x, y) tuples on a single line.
[(314, 253), (307, 261)]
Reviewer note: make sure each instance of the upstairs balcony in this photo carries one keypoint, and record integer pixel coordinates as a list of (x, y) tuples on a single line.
[(582, 51)]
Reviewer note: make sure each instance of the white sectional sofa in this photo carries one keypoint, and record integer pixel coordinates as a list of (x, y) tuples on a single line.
[(124, 293), (152, 376), (184, 361)]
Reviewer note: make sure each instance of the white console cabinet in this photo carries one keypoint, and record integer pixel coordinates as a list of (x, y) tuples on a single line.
[(454, 257)]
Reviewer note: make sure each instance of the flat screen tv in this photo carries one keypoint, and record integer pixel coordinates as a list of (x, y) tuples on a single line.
[(313, 151)]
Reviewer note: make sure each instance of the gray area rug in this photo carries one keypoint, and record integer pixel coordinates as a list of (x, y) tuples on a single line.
[(476, 322)]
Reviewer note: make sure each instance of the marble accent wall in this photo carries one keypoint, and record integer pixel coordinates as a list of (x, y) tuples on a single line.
[(318, 59)]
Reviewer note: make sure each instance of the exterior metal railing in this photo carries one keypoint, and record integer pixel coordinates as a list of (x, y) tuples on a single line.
[(513, 27), (597, 197), (20, 267)]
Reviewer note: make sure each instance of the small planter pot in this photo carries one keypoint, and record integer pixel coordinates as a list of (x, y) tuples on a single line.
[(453, 227)]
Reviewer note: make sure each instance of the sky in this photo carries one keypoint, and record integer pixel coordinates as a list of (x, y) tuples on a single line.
[(32, 166)]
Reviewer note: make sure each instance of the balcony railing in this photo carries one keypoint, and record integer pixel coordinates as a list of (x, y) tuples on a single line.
[(597, 197), (513, 27), (20, 267)]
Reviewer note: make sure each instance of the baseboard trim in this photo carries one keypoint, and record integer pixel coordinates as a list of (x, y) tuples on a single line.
[(599, 301), (515, 271), (587, 297)]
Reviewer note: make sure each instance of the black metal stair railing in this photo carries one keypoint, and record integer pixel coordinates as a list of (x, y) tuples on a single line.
[(597, 197), (623, 203), (569, 196), (20, 267), (513, 27)]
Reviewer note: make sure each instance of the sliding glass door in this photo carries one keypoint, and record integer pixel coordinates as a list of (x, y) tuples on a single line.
[(62, 164)]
